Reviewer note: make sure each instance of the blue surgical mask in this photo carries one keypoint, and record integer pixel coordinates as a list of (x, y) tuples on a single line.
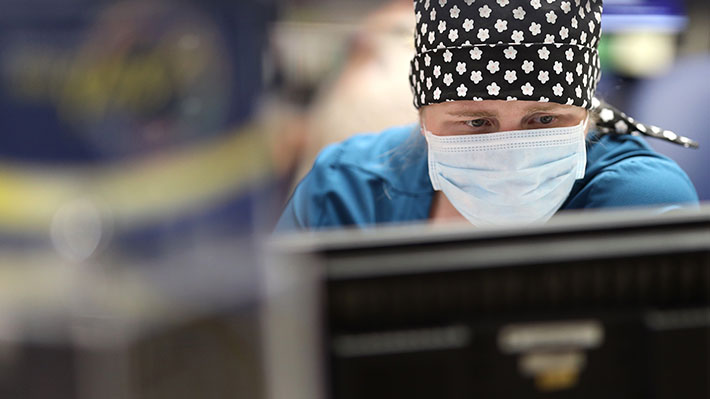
[(516, 177)]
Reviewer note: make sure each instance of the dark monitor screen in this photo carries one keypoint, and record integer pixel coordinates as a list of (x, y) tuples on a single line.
[(613, 305)]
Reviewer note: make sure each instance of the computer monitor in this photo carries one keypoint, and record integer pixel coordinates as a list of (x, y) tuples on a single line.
[(612, 304)]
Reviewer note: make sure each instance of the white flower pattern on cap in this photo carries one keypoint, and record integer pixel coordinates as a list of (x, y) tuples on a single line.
[(543, 53), (510, 53), (621, 127), (493, 89), (558, 90), (448, 55), (535, 28), (448, 79), (528, 66), (442, 26), (476, 76), (493, 66), (566, 7), (543, 76), (569, 54), (551, 17), (454, 12), (461, 68), (564, 33), (527, 89), (462, 90), (467, 25), (613, 121), (453, 35), (476, 53), (606, 115), (557, 67)]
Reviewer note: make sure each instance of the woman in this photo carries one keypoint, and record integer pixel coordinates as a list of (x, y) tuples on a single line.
[(510, 131)]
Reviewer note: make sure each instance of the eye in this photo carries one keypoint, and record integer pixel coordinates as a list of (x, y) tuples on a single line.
[(546, 119), (476, 123)]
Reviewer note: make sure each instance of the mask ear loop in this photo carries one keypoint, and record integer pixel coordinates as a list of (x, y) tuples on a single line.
[(422, 127), (582, 150), (433, 177)]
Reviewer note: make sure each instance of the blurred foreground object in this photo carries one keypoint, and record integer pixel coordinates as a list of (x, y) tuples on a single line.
[(125, 78), (105, 330), (606, 304), (135, 177)]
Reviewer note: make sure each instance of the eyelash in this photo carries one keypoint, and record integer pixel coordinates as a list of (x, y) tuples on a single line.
[(486, 122), (547, 116), (470, 123)]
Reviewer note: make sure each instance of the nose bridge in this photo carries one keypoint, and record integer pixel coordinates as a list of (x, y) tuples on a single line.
[(509, 121)]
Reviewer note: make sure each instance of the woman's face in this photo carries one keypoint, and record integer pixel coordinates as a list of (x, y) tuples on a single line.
[(490, 116)]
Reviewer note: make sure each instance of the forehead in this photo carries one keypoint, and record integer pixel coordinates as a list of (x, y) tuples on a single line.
[(500, 107)]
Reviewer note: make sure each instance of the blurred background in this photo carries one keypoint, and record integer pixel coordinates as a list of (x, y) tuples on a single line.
[(147, 147)]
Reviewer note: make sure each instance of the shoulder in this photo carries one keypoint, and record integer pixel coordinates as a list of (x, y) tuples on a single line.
[(623, 170), (366, 152), (395, 157), (350, 180)]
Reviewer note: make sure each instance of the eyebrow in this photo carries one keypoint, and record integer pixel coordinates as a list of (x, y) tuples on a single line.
[(487, 114), (546, 109), (472, 114)]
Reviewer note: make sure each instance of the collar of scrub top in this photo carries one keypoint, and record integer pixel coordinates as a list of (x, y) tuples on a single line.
[(611, 120)]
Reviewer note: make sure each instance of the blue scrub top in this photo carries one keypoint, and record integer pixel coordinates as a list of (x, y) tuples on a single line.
[(383, 178)]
